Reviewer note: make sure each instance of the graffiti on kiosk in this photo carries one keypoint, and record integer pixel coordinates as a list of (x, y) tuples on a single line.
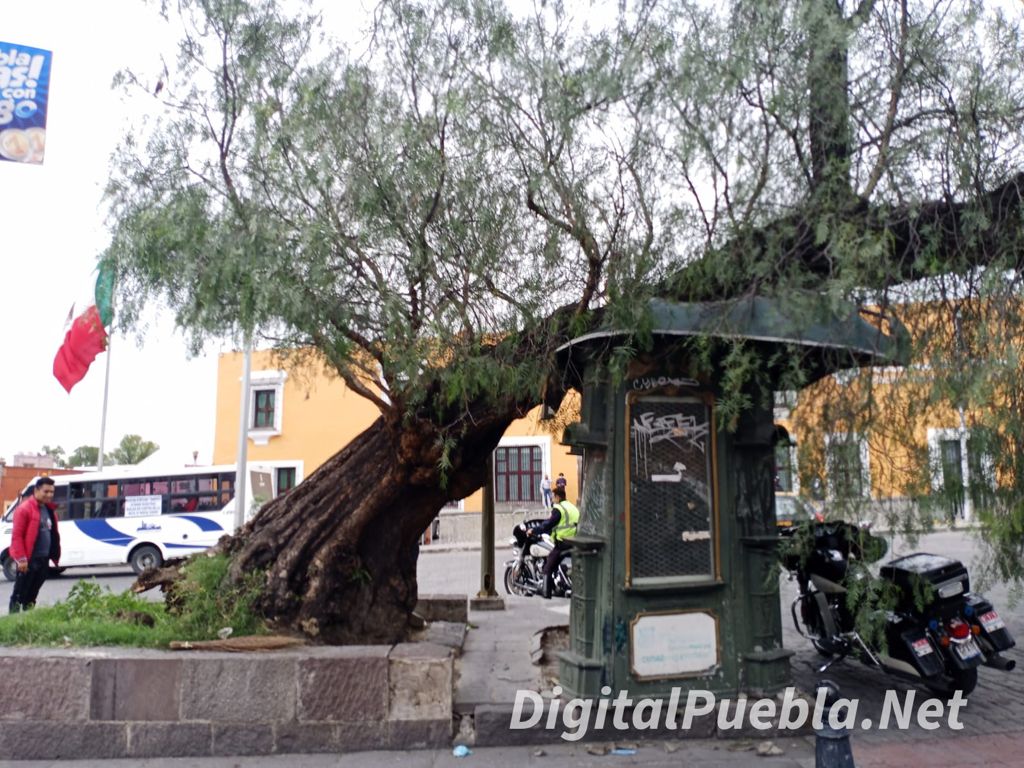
[(678, 429), (674, 477), (654, 382)]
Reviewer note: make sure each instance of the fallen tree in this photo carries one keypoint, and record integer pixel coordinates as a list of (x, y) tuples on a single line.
[(436, 217)]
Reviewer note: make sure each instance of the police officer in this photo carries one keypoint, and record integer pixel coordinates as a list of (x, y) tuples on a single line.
[(561, 525)]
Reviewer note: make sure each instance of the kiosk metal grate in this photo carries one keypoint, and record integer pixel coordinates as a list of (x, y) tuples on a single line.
[(670, 511)]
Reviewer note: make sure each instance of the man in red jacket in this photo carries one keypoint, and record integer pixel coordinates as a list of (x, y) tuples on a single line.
[(34, 543)]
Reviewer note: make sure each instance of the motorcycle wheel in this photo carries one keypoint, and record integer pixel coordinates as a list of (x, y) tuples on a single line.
[(821, 648), (963, 680), (511, 587)]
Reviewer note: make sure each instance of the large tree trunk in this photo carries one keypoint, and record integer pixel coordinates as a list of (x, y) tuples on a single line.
[(340, 550)]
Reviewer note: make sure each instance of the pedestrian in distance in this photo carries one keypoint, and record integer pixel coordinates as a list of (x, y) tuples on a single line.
[(565, 517), (34, 543), (560, 481), (545, 490)]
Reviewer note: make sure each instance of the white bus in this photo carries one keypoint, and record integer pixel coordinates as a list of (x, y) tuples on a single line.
[(143, 515)]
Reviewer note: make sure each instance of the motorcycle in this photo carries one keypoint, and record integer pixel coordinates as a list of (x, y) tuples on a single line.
[(524, 573), (938, 632)]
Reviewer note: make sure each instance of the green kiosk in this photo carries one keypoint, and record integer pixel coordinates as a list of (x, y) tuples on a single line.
[(673, 580)]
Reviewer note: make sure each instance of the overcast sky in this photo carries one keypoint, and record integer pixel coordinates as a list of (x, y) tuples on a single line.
[(51, 230)]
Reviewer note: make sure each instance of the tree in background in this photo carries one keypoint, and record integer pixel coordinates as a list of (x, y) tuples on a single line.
[(84, 456), (131, 450), (57, 454), (437, 213)]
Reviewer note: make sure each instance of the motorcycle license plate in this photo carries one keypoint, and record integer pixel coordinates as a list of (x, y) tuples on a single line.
[(967, 650), (991, 621), (922, 647)]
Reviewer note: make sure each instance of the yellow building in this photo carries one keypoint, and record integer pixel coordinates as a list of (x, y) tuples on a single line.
[(309, 415), (866, 434)]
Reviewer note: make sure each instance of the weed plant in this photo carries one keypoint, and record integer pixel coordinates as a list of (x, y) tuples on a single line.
[(202, 604)]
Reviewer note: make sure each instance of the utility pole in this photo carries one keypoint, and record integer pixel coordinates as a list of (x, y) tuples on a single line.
[(243, 437)]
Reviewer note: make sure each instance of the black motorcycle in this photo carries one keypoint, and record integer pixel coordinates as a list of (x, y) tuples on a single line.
[(937, 631), (524, 573)]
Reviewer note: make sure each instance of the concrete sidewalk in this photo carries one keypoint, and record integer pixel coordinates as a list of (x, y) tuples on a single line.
[(999, 751), (703, 754)]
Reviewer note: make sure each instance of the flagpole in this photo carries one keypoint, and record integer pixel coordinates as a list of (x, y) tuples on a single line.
[(103, 418)]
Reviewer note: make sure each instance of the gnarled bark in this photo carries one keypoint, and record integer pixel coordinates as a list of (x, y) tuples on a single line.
[(340, 549)]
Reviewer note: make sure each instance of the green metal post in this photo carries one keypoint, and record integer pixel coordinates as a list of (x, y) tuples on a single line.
[(487, 535)]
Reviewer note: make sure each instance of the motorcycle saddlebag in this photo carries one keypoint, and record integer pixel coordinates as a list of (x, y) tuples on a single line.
[(914, 648), (913, 574), (993, 629)]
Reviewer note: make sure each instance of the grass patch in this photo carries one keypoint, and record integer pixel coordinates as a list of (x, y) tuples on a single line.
[(92, 615)]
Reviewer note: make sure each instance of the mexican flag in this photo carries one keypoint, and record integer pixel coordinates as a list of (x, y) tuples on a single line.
[(87, 336)]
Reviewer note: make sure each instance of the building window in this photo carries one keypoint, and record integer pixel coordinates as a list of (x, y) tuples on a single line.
[(285, 479), (847, 467), (954, 480), (518, 470), (266, 405), (785, 453), (951, 459), (263, 411)]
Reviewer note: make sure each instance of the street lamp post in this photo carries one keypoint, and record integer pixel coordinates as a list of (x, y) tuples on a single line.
[(243, 437)]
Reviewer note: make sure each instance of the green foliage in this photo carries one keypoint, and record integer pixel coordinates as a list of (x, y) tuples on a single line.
[(56, 453), (91, 615), (131, 450), (868, 598), (84, 456), (441, 210), (203, 604), (206, 601)]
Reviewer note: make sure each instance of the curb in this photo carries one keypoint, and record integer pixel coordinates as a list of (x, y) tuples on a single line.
[(427, 549)]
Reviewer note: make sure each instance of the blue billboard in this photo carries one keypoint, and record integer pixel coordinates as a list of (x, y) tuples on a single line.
[(24, 88)]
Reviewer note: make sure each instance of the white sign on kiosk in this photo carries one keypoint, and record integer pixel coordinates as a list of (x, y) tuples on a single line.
[(674, 644), (142, 506)]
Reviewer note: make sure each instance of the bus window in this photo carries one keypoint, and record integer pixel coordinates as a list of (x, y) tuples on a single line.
[(208, 493), (227, 488), (163, 489), (155, 489), (85, 500), (117, 496), (183, 495), (75, 508), (136, 488), (60, 498)]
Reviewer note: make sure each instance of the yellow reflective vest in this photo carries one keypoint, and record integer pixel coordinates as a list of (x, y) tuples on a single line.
[(570, 518)]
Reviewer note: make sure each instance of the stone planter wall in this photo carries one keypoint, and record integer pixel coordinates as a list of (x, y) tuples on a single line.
[(96, 703)]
